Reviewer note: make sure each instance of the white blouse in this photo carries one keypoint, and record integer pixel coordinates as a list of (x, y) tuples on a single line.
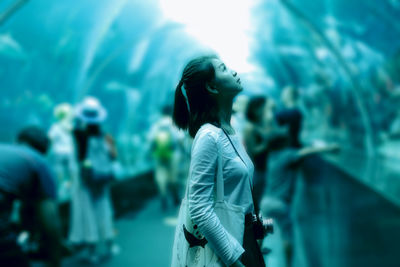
[(237, 174)]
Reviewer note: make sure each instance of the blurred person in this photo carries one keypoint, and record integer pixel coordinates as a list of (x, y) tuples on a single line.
[(203, 106), (324, 106), (291, 114), (62, 152), (182, 160), (26, 176), (284, 163), (238, 117), (91, 207), (257, 135), (164, 146)]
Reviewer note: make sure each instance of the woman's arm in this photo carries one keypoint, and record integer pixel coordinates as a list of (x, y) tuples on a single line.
[(307, 151), (203, 172)]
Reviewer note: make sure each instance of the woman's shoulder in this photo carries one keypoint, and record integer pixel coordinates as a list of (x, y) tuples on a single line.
[(208, 131)]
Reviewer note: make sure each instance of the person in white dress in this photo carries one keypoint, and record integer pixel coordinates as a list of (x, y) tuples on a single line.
[(62, 154), (91, 210)]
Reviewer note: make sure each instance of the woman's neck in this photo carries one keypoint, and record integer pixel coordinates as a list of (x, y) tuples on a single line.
[(225, 114)]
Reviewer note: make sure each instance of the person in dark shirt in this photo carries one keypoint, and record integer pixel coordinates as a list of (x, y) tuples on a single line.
[(259, 131), (291, 115), (284, 163), (25, 176)]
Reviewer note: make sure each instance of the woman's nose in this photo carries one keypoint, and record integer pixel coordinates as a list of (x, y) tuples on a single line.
[(234, 73)]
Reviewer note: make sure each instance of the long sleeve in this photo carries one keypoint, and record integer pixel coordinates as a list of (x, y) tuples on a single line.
[(203, 171)]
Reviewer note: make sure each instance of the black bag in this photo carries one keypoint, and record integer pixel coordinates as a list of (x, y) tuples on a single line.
[(252, 255), (96, 169)]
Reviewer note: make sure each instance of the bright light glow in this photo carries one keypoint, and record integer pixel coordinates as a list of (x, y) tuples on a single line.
[(222, 25)]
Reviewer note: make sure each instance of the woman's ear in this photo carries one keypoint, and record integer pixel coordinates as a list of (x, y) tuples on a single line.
[(211, 88)]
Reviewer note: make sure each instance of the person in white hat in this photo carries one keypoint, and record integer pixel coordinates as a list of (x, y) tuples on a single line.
[(90, 111), (92, 214)]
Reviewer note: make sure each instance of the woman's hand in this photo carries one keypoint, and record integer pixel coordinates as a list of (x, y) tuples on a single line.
[(237, 263)]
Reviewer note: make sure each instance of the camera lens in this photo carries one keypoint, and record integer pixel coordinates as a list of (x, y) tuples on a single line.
[(268, 226)]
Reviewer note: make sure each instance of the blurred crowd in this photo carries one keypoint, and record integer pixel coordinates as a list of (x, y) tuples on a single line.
[(326, 87), (76, 162)]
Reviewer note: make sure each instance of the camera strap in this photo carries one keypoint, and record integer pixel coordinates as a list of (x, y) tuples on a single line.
[(256, 207)]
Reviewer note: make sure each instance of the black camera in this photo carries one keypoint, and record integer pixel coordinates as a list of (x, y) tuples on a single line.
[(262, 227)]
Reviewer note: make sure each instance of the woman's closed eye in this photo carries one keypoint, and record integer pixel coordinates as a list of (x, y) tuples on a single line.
[(223, 67)]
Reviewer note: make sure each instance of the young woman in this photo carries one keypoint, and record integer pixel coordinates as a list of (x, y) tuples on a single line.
[(203, 106)]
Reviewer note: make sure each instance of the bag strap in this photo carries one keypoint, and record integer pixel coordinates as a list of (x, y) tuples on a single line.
[(220, 176), (234, 147)]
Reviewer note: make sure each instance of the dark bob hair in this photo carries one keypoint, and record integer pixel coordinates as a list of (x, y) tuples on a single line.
[(194, 105), (34, 137), (255, 103)]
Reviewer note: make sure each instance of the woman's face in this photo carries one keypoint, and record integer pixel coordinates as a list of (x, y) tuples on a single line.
[(226, 81)]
